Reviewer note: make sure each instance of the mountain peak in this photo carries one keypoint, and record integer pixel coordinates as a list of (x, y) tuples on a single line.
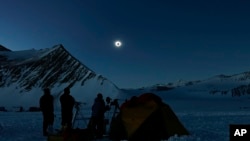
[(58, 46)]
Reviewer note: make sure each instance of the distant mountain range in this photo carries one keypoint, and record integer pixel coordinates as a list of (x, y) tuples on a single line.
[(237, 85), (219, 93)]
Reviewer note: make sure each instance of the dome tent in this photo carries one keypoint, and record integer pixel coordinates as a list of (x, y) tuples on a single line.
[(146, 118)]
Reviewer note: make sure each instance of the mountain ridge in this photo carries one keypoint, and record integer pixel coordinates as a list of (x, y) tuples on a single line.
[(236, 85)]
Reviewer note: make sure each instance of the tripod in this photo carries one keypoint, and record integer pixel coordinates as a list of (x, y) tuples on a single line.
[(78, 115)]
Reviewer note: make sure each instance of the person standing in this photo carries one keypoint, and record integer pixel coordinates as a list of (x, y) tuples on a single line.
[(97, 117), (47, 108), (67, 105)]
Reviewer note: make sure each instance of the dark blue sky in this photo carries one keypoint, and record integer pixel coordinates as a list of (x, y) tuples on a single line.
[(163, 41)]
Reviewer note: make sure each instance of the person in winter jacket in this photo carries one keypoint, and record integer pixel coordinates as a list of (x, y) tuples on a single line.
[(67, 105), (97, 116), (47, 108)]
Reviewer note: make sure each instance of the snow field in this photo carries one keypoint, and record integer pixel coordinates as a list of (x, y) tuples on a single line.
[(203, 126)]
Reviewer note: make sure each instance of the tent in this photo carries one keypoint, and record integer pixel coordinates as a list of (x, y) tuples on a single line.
[(145, 118)]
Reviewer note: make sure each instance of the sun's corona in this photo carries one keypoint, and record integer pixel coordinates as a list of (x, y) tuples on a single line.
[(118, 43)]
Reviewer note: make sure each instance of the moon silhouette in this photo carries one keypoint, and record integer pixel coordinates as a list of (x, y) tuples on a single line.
[(118, 44)]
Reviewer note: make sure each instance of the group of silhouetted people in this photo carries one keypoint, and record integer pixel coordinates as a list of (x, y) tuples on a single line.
[(47, 108), (96, 123)]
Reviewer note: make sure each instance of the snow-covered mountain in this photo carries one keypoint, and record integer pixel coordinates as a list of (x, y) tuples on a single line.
[(216, 93), (237, 85), (24, 74)]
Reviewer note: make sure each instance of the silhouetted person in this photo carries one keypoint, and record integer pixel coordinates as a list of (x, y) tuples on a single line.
[(97, 118), (67, 105), (47, 108)]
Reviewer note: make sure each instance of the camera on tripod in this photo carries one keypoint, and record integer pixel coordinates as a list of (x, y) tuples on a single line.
[(115, 103), (112, 103), (78, 104)]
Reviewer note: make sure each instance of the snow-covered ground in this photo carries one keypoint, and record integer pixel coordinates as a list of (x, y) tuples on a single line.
[(207, 117), (203, 126)]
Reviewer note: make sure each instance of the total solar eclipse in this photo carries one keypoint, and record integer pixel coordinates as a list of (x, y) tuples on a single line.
[(118, 44)]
